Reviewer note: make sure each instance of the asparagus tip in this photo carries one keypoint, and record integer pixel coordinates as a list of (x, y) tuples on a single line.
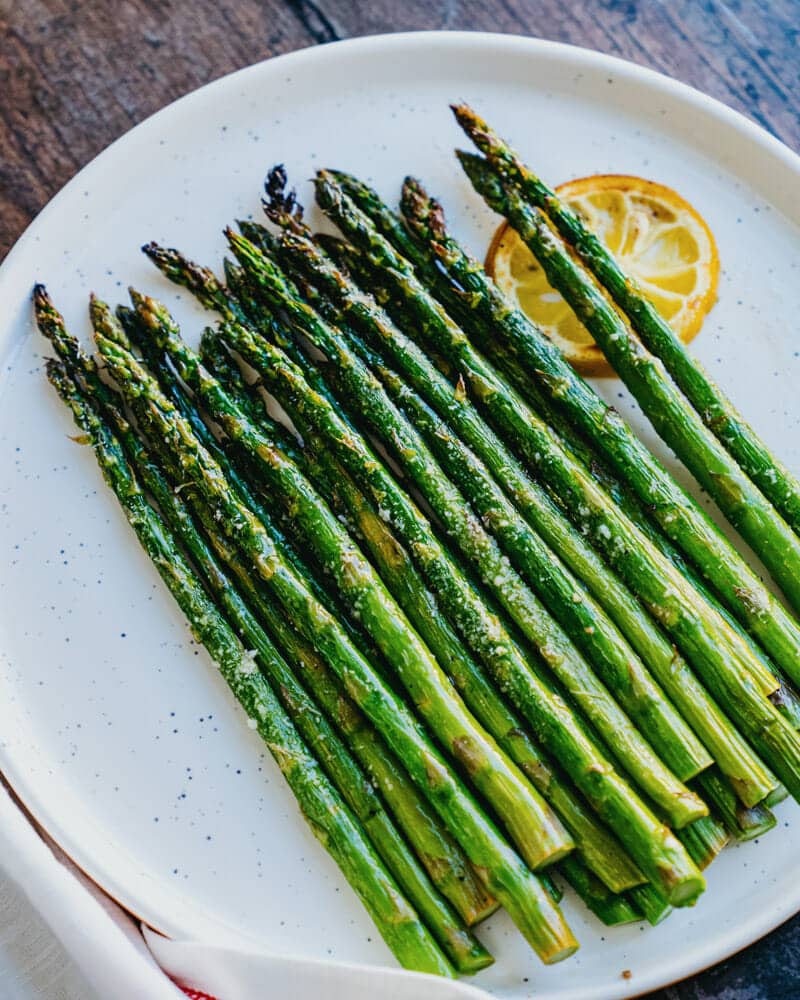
[(418, 205), (344, 177), (276, 194), (470, 121), (463, 112), (281, 205)]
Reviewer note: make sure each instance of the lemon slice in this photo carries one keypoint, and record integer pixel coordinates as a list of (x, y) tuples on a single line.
[(656, 237)]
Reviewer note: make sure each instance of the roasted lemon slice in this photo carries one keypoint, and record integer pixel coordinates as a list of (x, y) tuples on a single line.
[(655, 235)]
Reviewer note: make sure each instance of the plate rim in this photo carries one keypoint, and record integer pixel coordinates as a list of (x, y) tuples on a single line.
[(658, 974)]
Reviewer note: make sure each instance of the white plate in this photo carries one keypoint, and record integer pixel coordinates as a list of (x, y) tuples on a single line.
[(117, 734)]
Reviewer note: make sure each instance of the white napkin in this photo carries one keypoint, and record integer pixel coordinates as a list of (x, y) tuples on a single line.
[(121, 959), (102, 940), (234, 974)]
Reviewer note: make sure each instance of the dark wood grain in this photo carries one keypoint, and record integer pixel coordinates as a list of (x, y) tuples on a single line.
[(75, 75)]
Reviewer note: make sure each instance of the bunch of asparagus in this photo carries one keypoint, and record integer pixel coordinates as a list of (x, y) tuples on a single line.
[(485, 635)]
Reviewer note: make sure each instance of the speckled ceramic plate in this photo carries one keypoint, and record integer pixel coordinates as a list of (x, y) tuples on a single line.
[(116, 731)]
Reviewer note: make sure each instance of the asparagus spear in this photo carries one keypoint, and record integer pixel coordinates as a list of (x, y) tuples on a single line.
[(436, 850), (531, 823), (384, 419), (329, 818), (585, 622), (718, 413), (442, 858), (505, 874), (671, 415), (386, 340), (646, 840), (461, 947), (600, 850), (446, 865), (167, 379), (610, 907), (437, 253), (680, 517), (716, 651), (439, 854), (424, 260), (767, 675)]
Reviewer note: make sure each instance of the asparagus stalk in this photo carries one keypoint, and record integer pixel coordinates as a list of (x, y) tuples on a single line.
[(445, 863), (443, 859), (553, 721), (601, 852), (424, 260), (716, 651), (766, 674), (438, 852), (583, 619), (678, 515), (157, 363), (387, 341), (671, 415), (374, 407), (776, 796), (586, 623), (504, 872), (328, 816), (718, 413), (531, 823), (611, 908), (468, 276), (461, 947), (599, 849)]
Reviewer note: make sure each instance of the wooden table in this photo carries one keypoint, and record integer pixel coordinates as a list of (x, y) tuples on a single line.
[(75, 75)]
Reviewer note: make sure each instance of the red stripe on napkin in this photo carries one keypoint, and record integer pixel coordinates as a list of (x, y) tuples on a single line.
[(196, 994)]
